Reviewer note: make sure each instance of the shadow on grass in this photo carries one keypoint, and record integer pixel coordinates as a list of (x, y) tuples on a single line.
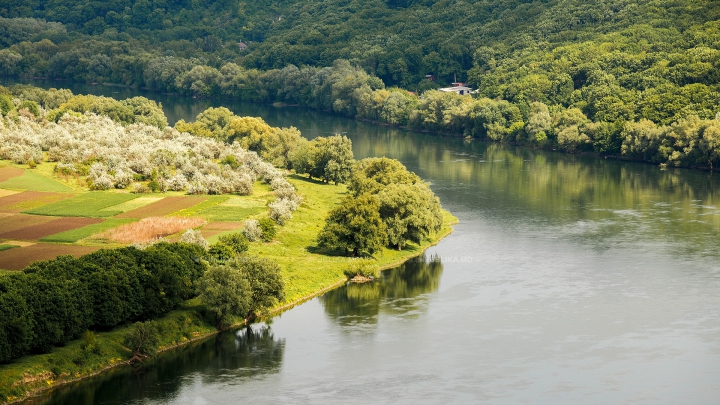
[(309, 180)]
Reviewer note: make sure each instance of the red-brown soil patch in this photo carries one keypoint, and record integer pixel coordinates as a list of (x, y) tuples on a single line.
[(206, 234), (38, 231), (29, 199), (8, 172), (19, 258), (222, 226), (13, 222), (163, 207)]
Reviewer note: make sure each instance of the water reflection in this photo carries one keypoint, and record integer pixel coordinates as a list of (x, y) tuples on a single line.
[(230, 357), (397, 291)]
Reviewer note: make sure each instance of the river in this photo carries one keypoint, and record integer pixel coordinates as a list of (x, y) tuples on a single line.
[(569, 279)]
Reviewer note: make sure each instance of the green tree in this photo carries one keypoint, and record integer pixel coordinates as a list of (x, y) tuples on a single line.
[(143, 339), (267, 288), (410, 212), (371, 175), (225, 292), (354, 227)]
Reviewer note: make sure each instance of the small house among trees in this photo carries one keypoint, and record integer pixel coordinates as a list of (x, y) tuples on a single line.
[(458, 88)]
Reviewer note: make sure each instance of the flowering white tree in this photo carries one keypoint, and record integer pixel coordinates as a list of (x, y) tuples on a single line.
[(140, 156)]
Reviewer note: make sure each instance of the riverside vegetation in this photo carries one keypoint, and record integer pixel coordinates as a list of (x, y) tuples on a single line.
[(66, 318), (629, 79)]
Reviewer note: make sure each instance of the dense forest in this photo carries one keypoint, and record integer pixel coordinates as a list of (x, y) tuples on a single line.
[(638, 79)]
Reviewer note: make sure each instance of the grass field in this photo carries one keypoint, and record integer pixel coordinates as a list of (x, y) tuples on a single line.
[(6, 247), (132, 204), (35, 181), (89, 204), (163, 206)]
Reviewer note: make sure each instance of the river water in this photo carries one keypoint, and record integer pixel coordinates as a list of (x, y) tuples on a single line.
[(568, 280)]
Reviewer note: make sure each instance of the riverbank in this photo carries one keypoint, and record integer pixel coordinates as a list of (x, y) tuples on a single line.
[(306, 275)]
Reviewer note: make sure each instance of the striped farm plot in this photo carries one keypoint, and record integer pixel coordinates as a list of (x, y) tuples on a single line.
[(163, 206), (55, 225), (14, 201), (8, 172), (89, 204), (21, 257)]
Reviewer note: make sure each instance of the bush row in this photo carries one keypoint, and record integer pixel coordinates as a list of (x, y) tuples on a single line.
[(52, 302)]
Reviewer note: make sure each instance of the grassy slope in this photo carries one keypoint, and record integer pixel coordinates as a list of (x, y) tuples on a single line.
[(306, 274), (34, 181)]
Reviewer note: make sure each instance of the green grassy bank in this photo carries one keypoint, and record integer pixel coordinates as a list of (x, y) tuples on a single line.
[(306, 274)]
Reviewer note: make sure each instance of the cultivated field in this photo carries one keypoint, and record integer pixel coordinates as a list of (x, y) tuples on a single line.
[(43, 216)]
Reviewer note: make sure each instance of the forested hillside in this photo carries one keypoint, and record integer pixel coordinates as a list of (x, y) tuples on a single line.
[(579, 75)]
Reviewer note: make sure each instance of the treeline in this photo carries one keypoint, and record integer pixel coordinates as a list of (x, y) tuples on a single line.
[(399, 41), (52, 302)]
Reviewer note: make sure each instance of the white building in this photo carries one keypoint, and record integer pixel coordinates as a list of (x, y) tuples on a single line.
[(458, 88)]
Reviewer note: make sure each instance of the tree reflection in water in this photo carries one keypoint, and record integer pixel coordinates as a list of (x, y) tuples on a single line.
[(230, 356), (400, 291)]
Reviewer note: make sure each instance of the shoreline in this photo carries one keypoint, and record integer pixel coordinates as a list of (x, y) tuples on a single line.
[(384, 124), (53, 384)]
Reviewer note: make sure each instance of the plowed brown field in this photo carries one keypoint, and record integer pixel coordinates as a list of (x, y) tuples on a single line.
[(29, 199), (8, 172), (37, 231), (13, 222), (19, 258)]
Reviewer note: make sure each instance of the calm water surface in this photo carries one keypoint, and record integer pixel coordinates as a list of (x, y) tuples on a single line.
[(568, 280)]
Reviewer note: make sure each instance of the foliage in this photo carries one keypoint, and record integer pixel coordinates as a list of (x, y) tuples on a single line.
[(371, 175), (111, 155), (354, 227), (329, 159), (410, 213), (615, 61), (194, 237), (362, 267), (143, 339), (225, 292), (252, 231), (54, 301), (267, 288), (236, 241), (268, 229), (408, 209)]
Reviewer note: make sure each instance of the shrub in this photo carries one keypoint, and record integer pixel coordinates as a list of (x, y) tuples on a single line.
[(195, 238), (236, 241), (30, 106), (221, 252), (268, 229), (139, 188), (143, 339), (362, 267), (281, 210), (252, 230)]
